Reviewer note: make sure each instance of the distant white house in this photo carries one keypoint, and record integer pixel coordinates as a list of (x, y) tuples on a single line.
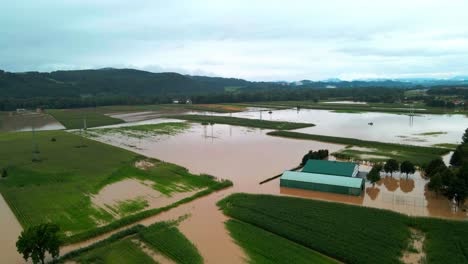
[(175, 101)]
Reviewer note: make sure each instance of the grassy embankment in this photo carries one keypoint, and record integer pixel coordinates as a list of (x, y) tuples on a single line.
[(58, 188), (236, 121), (125, 246), (73, 118), (351, 234), (396, 108), (374, 151)]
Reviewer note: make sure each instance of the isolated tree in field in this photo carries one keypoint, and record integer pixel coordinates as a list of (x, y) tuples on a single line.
[(374, 174), (4, 173), (407, 167), (35, 241), (390, 166), (434, 166)]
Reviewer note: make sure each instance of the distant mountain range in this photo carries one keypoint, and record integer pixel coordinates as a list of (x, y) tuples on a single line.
[(130, 82)]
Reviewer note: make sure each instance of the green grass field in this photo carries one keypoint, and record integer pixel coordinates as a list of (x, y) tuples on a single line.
[(417, 154), (161, 237), (352, 234), (73, 118), (265, 247), (164, 237), (58, 187), (123, 251), (236, 121)]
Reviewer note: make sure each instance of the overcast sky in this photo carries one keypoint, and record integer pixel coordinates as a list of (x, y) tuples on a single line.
[(255, 40)]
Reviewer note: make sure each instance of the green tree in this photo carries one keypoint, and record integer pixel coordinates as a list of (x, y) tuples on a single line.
[(465, 137), (435, 183), (407, 167), (458, 190), (374, 174), (456, 158), (35, 241), (391, 166), (4, 173), (434, 166)]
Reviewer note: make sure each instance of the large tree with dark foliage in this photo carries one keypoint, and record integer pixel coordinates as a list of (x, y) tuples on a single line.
[(36, 241)]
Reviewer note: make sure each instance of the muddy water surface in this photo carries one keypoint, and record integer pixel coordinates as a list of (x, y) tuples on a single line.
[(130, 189), (10, 229), (247, 156), (395, 128)]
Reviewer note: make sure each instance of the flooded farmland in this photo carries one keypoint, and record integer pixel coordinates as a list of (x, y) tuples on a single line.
[(26, 121), (424, 130), (247, 156)]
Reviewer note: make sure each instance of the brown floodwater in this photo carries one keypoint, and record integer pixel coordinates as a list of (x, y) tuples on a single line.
[(10, 229), (247, 156), (131, 189), (13, 121)]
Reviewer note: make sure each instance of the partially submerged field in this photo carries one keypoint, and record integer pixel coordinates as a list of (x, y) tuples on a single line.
[(236, 121), (351, 234), (161, 242), (72, 171), (372, 150), (74, 118), (397, 108)]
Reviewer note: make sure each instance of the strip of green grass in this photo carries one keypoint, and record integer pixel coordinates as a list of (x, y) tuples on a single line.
[(217, 108), (58, 188), (236, 121), (446, 145), (73, 119), (164, 237), (352, 234), (111, 239), (123, 251), (265, 247), (417, 154)]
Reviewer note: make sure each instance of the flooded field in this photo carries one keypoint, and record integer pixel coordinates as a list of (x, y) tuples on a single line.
[(116, 195), (13, 121), (248, 156), (425, 130), (10, 228)]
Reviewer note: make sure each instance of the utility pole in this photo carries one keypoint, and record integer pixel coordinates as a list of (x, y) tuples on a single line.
[(35, 148)]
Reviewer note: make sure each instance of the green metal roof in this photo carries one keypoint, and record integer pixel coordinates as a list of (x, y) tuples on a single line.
[(330, 167), (322, 179)]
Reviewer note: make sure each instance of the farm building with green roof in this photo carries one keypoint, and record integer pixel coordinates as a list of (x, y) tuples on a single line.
[(347, 169), (325, 176)]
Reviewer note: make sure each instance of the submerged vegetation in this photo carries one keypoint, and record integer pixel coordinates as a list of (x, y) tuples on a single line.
[(351, 234), (236, 121), (375, 151), (169, 128)]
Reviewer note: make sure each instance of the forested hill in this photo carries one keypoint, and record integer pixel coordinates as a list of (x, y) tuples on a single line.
[(98, 82)]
